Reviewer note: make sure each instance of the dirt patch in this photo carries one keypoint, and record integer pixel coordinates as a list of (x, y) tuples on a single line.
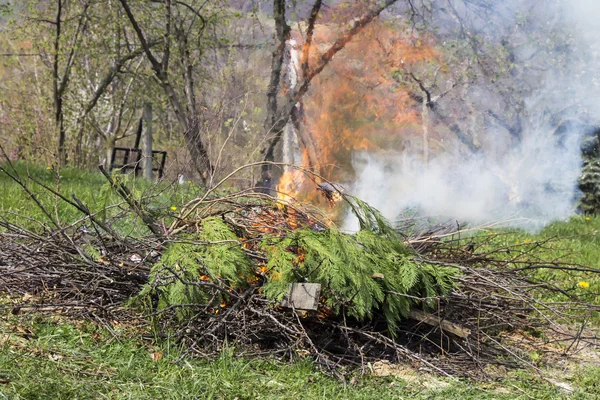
[(409, 375)]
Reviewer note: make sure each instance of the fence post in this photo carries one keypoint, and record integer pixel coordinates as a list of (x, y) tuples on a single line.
[(147, 142)]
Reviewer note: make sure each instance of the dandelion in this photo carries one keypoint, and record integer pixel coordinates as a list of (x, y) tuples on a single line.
[(583, 284), (587, 218), (173, 208)]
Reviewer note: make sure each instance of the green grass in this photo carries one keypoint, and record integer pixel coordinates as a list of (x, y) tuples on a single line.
[(580, 239), (58, 360), (92, 188), (572, 243), (576, 241)]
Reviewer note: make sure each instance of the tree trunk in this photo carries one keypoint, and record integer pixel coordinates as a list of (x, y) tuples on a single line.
[(425, 123), (188, 123), (58, 101), (147, 142), (272, 127), (62, 134), (109, 144), (278, 115), (60, 82)]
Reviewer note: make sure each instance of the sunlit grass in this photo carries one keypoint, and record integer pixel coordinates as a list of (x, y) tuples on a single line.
[(17, 206), (47, 359)]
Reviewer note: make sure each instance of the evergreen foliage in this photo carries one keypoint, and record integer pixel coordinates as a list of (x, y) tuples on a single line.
[(359, 274), (362, 275), (589, 182), (369, 218), (210, 255)]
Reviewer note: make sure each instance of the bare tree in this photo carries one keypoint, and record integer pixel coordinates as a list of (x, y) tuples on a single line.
[(60, 78), (183, 103)]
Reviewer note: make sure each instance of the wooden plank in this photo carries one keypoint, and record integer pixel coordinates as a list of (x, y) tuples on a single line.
[(302, 296), (432, 320), (147, 142)]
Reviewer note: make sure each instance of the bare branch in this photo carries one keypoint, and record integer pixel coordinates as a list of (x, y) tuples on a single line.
[(309, 35)]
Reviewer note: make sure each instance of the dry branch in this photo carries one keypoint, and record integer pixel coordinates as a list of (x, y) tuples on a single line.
[(486, 319)]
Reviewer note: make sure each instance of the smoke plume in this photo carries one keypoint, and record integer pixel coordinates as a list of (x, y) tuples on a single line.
[(528, 184)]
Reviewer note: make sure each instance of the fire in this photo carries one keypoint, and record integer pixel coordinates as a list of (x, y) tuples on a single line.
[(294, 184), (289, 185), (361, 101)]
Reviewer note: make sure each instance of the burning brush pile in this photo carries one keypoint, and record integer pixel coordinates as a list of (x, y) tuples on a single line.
[(277, 278)]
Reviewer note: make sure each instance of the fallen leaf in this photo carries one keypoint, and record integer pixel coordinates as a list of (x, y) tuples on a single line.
[(156, 356), (103, 260)]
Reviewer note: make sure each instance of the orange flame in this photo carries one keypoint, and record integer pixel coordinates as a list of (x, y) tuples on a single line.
[(360, 101)]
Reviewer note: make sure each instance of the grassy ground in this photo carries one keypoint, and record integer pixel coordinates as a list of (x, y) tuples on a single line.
[(576, 241), (91, 188), (49, 358), (59, 360)]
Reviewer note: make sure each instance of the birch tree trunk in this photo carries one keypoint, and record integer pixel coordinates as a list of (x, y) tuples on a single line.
[(425, 123)]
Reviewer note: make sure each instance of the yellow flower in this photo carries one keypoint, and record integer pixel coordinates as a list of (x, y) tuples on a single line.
[(583, 284), (587, 218), (173, 208), (48, 168)]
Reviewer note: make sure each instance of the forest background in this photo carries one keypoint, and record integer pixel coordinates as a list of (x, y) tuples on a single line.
[(388, 98)]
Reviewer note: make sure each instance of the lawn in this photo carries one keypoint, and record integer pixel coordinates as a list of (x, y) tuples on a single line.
[(49, 358), (92, 188), (45, 357)]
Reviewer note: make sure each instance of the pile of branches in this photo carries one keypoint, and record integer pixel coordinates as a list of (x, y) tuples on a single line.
[(55, 272), (448, 302)]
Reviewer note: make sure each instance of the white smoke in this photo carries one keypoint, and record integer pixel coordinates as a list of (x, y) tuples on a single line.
[(531, 184)]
